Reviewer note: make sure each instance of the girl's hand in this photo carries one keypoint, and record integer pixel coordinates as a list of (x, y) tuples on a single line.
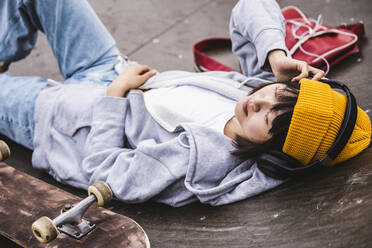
[(285, 68), (131, 78)]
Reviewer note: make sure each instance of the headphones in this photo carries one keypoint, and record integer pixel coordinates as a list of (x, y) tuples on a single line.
[(279, 165)]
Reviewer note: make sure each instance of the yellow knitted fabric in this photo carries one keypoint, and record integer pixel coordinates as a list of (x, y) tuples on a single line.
[(316, 120)]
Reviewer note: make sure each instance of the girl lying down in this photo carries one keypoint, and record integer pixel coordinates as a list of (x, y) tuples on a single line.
[(174, 137)]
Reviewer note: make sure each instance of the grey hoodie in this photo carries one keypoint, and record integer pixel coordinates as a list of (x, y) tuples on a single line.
[(82, 136)]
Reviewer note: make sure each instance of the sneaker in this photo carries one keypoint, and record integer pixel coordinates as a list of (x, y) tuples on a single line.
[(4, 66)]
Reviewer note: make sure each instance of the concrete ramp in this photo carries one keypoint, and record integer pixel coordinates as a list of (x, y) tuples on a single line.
[(331, 209)]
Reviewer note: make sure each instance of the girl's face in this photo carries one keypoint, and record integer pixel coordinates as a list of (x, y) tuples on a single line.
[(254, 113)]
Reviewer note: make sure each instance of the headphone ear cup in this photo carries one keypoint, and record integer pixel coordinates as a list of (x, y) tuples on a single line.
[(290, 161), (269, 165), (277, 164)]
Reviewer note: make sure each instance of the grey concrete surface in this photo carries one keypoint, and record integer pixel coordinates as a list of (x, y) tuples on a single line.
[(333, 209)]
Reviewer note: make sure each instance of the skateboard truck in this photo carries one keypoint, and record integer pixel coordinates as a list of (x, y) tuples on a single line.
[(70, 221), (74, 225)]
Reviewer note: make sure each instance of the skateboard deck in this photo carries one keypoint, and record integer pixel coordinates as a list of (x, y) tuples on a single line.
[(24, 199)]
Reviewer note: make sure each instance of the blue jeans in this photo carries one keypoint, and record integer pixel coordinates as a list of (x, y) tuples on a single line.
[(83, 47)]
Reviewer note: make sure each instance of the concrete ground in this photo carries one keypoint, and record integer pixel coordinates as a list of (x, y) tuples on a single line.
[(329, 210)]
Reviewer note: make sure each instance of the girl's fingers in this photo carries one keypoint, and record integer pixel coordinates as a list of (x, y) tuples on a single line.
[(318, 74), (143, 69), (136, 70), (303, 68), (148, 75), (306, 70)]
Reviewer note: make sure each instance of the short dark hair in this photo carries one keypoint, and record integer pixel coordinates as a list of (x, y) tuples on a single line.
[(287, 98)]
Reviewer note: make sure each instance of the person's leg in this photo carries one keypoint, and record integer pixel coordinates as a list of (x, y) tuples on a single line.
[(17, 35), (80, 42), (17, 102), (76, 35)]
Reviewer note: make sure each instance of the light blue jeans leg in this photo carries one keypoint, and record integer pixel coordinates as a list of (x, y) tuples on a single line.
[(17, 107), (77, 37), (79, 41)]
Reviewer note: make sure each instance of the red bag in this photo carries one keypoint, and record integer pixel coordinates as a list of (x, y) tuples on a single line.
[(319, 45)]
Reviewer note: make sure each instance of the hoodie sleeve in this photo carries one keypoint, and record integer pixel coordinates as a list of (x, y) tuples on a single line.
[(134, 175), (256, 28)]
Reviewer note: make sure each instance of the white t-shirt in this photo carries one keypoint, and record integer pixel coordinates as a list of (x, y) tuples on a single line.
[(192, 104)]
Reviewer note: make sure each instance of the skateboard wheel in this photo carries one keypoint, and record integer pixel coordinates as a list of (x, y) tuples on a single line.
[(4, 151), (44, 230), (101, 191)]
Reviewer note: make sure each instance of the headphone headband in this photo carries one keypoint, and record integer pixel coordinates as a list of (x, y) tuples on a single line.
[(348, 123)]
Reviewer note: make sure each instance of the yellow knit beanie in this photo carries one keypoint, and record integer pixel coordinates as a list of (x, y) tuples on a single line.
[(316, 120)]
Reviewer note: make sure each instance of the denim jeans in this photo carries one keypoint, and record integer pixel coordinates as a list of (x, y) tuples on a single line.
[(83, 47)]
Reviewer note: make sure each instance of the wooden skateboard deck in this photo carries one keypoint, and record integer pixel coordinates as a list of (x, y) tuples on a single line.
[(23, 199)]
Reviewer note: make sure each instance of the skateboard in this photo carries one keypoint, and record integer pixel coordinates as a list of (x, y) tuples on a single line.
[(36, 214)]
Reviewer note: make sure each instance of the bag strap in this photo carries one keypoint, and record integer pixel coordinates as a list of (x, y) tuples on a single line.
[(205, 63)]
